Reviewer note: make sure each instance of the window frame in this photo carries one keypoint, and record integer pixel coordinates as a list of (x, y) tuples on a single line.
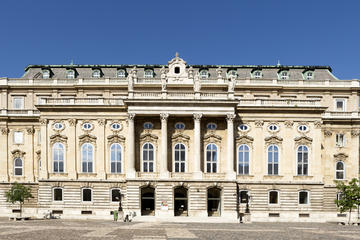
[(343, 100), (58, 161), (306, 76), (96, 73), (273, 162), (87, 160), (116, 129), (70, 74), (180, 123), (307, 197), (111, 196), (337, 138), (255, 76), (302, 162), (15, 137), (341, 171), (87, 124), (248, 193), (149, 73), (53, 194), (204, 74), (282, 76), (117, 161), (209, 124), (148, 123), (148, 161), (211, 161), (82, 194), (238, 160), (179, 161), (47, 72), (17, 167), (21, 99), (243, 125), (121, 70), (278, 197)]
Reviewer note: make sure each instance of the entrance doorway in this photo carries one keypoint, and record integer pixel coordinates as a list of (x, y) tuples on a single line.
[(148, 201), (214, 201), (180, 201)]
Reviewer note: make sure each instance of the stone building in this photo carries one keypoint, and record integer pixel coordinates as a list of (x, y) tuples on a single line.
[(196, 141)]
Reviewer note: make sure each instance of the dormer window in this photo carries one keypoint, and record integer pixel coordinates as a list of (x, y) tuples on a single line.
[(149, 73), (232, 73), (308, 75), (96, 73), (257, 74), (177, 70), (70, 74), (46, 74), (121, 73), (284, 75), (204, 74)]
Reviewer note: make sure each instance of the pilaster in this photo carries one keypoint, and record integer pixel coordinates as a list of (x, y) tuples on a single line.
[(130, 163), (164, 173)]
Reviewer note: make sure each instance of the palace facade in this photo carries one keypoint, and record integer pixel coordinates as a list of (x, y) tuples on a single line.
[(199, 141)]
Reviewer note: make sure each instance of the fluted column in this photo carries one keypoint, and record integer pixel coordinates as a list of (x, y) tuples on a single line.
[(130, 163), (197, 145), (164, 173), (230, 146)]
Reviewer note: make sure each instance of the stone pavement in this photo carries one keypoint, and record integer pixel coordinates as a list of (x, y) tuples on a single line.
[(96, 230)]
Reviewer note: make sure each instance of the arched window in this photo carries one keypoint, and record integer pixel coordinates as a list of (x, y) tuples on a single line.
[(18, 167), (121, 73), (149, 73), (96, 73), (284, 75), (302, 160), (340, 170), (179, 157), (148, 157), (273, 160), (204, 74), (211, 158), (243, 159), (87, 157), (70, 74), (58, 157), (115, 158), (273, 197)]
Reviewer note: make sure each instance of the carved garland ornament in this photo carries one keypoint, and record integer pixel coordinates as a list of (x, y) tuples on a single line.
[(101, 122), (180, 137), (259, 123), (72, 122), (317, 124), (303, 140), (87, 138), (289, 124), (340, 156), (327, 133), (273, 140), (115, 139), (58, 138), (17, 153), (30, 131), (43, 121), (211, 137), (355, 133), (244, 139), (148, 137), (5, 131)]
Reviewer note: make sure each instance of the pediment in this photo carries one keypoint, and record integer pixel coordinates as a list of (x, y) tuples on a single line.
[(180, 137), (273, 139), (244, 139), (17, 153), (340, 156), (212, 137), (148, 137), (115, 139), (303, 140), (58, 138), (87, 138)]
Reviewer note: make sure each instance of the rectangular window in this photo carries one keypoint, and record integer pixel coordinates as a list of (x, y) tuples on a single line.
[(340, 140), (244, 196), (18, 137), (58, 194), (115, 195), (273, 197), (340, 104), (18, 102), (303, 197), (86, 195)]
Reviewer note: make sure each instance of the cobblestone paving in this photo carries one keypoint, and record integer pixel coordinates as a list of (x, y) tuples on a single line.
[(96, 230)]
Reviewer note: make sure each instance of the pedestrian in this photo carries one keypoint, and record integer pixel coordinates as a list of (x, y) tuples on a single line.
[(116, 215)]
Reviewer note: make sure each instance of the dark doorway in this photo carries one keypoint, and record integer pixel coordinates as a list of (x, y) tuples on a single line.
[(180, 201), (148, 201), (214, 201)]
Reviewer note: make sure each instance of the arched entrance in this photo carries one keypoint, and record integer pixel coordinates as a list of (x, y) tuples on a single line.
[(180, 201), (214, 201), (148, 201)]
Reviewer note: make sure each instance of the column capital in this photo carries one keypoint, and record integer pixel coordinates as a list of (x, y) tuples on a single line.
[(197, 116), (230, 117), (131, 116), (164, 116)]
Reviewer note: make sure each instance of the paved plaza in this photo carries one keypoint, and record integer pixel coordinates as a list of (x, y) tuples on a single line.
[(96, 229)]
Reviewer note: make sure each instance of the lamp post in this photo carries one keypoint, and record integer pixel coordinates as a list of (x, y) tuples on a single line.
[(247, 210)]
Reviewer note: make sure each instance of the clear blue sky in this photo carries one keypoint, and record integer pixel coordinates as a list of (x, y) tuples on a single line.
[(259, 32)]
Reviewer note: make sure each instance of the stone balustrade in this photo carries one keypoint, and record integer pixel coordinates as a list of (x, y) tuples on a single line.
[(279, 102)]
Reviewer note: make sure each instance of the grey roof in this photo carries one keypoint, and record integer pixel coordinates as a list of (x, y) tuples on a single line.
[(243, 71)]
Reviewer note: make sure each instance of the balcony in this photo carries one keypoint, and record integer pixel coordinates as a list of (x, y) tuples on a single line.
[(81, 101), (20, 112), (278, 103), (340, 115)]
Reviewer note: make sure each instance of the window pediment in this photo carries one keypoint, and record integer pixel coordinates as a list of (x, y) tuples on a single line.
[(148, 137), (58, 138), (180, 137), (303, 140), (115, 139), (211, 137), (340, 156), (244, 139), (17, 153), (87, 138), (273, 140)]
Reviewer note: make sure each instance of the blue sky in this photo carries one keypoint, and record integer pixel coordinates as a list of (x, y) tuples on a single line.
[(259, 32)]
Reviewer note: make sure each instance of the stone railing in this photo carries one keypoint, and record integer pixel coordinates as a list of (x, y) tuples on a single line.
[(81, 101), (211, 81), (338, 114), (179, 95), (279, 102), (20, 112)]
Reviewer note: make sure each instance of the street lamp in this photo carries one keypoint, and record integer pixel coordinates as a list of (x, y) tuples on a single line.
[(247, 210)]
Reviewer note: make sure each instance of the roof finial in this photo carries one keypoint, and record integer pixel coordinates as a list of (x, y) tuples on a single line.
[(278, 64), (177, 54)]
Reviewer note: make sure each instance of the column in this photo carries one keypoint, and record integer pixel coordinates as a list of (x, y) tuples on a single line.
[(230, 173), (44, 147), (130, 169), (164, 173), (197, 146)]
